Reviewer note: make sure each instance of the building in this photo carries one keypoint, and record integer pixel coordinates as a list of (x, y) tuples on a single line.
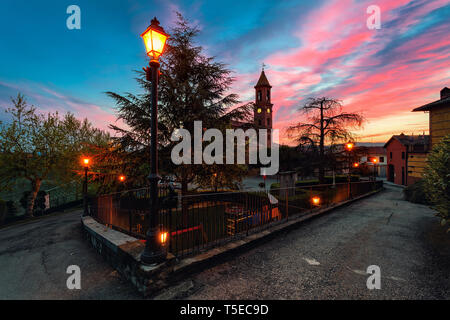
[(262, 112), (263, 106), (367, 154), (439, 111), (400, 149), (439, 124)]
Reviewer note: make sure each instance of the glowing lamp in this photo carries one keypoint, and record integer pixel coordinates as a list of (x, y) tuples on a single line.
[(163, 236), (316, 201), (374, 160), (122, 178), (356, 165), (86, 161), (349, 146), (154, 39)]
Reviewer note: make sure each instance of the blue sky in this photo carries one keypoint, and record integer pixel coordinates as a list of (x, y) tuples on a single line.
[(310, 47)]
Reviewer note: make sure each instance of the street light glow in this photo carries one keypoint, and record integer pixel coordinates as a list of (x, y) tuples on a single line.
[(154, 39), (356, 165), (316, 201), (163, 237), (349, 146), (86, 161), (122, 178)]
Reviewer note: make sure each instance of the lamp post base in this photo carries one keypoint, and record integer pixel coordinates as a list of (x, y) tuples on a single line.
[(154, 252)]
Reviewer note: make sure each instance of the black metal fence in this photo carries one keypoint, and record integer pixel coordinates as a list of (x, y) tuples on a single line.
[(201, 221)]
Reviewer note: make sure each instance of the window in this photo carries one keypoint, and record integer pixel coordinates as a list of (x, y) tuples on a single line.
[(268, 95), (259, 121), (268, 122), (259, 110), (390, 155), (403, 155), (259, 95), (268, 110), (381, 159)]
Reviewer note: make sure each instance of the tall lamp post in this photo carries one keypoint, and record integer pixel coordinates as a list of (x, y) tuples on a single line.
[(85, 186), (374, 161), (155, 39), (349, 147)]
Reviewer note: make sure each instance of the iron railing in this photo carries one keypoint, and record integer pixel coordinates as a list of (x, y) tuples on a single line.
[(197, 222)]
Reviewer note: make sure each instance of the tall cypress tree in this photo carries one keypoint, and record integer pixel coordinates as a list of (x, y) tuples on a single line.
[(192, 87)]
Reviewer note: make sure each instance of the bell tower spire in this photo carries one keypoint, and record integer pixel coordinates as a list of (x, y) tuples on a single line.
[(263, 105)]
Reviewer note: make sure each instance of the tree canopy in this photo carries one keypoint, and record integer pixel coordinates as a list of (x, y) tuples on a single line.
[(39, 147), (326, 124), (192, 87)]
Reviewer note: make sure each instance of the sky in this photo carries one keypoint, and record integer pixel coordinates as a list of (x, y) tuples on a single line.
[(310, 49)]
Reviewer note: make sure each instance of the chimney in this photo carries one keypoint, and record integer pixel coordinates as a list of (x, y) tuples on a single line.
[(445, 93)]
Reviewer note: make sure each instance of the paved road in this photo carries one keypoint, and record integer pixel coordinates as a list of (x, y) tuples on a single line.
[(327, 258), (34, 257), (323, 259)]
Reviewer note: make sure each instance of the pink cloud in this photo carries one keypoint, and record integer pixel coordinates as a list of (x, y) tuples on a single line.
[(339, 57)]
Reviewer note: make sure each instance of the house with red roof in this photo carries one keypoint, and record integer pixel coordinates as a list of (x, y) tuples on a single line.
[(404, 157)]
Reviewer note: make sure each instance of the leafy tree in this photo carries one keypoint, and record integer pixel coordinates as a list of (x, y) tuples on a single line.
[(193, 87), (39, 147), (326, 124), (437, 178)]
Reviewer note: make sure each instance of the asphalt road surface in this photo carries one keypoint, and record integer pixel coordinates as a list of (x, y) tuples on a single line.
[(34, 258), (325, 258)]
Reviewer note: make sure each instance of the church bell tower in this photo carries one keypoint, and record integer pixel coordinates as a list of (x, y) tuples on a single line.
[(263, 106)]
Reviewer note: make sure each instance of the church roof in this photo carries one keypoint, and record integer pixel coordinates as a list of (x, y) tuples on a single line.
[(263, 82)]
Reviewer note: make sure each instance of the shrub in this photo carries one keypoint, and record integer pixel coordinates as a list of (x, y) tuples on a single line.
[(415, 193), (437, 178), (275, 185), (306, 183), (11, 208), (39, 202)]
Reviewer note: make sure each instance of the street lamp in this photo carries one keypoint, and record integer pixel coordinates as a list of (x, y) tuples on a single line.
[(349, 147), (374, 161), (86, 162), (154, 39), (122, 178)]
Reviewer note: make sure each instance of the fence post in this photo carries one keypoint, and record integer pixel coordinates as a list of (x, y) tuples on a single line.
[(287, 205), (130, 221)]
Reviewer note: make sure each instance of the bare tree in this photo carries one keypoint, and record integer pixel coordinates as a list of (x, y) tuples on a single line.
[(326, 124)]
